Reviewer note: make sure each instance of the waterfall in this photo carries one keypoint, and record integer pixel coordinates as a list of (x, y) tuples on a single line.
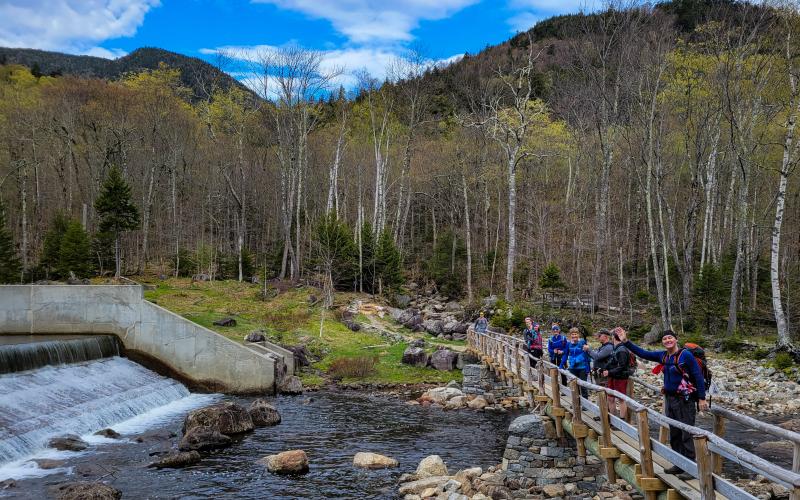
[(31, 355), (37, 405)]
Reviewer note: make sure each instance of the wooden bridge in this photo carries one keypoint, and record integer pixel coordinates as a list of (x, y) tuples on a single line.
[(626, 447)]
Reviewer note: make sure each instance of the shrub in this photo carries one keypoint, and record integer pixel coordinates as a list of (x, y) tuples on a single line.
[(733, 344), (355, 367), (551, 277), (782, 361), (759, 353)]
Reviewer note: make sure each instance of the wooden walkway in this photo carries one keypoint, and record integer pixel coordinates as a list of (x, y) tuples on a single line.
[(626, 447)]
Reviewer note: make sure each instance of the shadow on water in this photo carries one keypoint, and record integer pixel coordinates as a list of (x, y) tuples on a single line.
[(330, 426)]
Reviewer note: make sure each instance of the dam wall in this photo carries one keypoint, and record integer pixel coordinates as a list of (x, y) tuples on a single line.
[(192, 352)]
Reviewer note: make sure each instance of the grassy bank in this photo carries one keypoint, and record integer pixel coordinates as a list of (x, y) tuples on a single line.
[(292, 318)]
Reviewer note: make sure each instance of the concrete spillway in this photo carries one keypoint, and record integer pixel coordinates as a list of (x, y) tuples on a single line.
[(190, 351)]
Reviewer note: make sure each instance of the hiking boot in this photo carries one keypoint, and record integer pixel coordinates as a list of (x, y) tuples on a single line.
[(685, 476), (675, 470)]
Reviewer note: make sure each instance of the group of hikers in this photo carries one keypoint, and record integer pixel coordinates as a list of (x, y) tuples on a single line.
[(614, 362)]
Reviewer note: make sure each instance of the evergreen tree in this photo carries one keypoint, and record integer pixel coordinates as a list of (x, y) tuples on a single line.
[(116, 210), (447, 263), (367, 278), (388, 263), (551, 277), (9, 263), (710, 304), (50, 258), (74, 254), (334, 254)]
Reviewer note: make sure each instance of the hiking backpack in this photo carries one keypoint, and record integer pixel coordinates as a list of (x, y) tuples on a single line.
[(700, 355)]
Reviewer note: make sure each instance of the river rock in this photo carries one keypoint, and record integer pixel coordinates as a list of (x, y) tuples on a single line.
[(302, 356), (225, 418), (287, 462), (256, 336), (367, 460), (290, 385), (177, 460), (263, 413), (415, 356), (456, 403), (225, 322), (70, 442), (441, 395), (7, 483), (47, 463), (791, 425), (479, 403), (109, 433), (86, 491), (420, 485), (443, 359), (155, 436), (203, 438), (431, 466)]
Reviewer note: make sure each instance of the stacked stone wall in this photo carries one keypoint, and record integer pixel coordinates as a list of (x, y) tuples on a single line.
[(479, 379)]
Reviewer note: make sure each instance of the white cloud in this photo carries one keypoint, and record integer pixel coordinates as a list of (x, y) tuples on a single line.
[(530, 12), (347, 62), (75, 26), (363, 21), (523, 21), (105, 53)]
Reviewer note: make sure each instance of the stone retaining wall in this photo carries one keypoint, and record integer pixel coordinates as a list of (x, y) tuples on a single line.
[(479, 379), (534, 455), (190, 350)]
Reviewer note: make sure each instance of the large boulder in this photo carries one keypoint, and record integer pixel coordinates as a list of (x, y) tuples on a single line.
[(401, 300), (86, 491), (263, 413), (203, 438), (225, 322), (290, 385), (431, 466), (441, 395), (449, 327), (415, 356), (653, 336), (367, 460), (287, 462), (490, 301), (69, 442), (108, 433), (177, 460), (302, 356), (479, 403), (433, 326), (444, 359), (225, 418), (413, 320)]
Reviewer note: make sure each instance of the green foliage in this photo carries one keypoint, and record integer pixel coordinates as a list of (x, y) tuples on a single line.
[(733, 344), (709, 303), (388, 263), (9, 263), (446, 267), (334, 251), (52, 244), (551, 277), (642, 296), (74, 253), (509, 317), (185, 262), (103, 251), (229, 265), (759, 353), (782, 361), (114, 206)]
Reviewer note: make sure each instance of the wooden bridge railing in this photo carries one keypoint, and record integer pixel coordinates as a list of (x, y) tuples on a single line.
[(626, 447)]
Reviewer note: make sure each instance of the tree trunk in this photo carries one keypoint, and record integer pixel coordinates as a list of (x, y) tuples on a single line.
[(468, 239), (512, 229)]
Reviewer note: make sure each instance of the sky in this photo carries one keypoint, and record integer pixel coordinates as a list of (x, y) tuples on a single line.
[(351, 35)]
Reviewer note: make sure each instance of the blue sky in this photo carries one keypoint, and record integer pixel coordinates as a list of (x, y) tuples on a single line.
[(351, 34)]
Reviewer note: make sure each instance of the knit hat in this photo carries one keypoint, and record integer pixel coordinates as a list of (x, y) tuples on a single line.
[(556, 328), (602, 331), (669, 332)]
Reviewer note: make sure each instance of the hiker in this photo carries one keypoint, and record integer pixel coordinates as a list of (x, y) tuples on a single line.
[(533, 340), (556, 345), (621, 366), (684, 389), (481, 324), (602, 356), (575, 359)]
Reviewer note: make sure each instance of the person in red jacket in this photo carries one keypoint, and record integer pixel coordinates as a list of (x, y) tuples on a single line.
[(533, 340)]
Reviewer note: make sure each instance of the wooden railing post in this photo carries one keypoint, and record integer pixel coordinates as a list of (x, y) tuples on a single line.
[(608, 452), (649, 482), (579, 429), (557, 411), (705, 471), (663, 431), (719, 430)]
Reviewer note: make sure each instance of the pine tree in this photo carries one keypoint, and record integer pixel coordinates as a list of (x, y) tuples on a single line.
[(74, 254), (9, 263), (334, 254), (388, 263), (116, 210), (709, 305), (551, 277), (49, 260)]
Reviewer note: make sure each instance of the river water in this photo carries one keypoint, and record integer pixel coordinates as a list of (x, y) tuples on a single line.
[(330, 426)]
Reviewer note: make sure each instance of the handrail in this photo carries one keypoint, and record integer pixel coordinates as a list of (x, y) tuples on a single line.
[(718, 445)]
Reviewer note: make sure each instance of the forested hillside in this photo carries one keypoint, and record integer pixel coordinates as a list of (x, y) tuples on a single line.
[(643, 157), (195, 74)]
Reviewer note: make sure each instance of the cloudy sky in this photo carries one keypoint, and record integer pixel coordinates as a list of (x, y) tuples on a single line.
[(351, 34)]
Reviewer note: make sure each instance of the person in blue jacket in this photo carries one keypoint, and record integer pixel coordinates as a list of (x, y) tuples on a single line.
[(684, 388), (575, 359), (556, 345)]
